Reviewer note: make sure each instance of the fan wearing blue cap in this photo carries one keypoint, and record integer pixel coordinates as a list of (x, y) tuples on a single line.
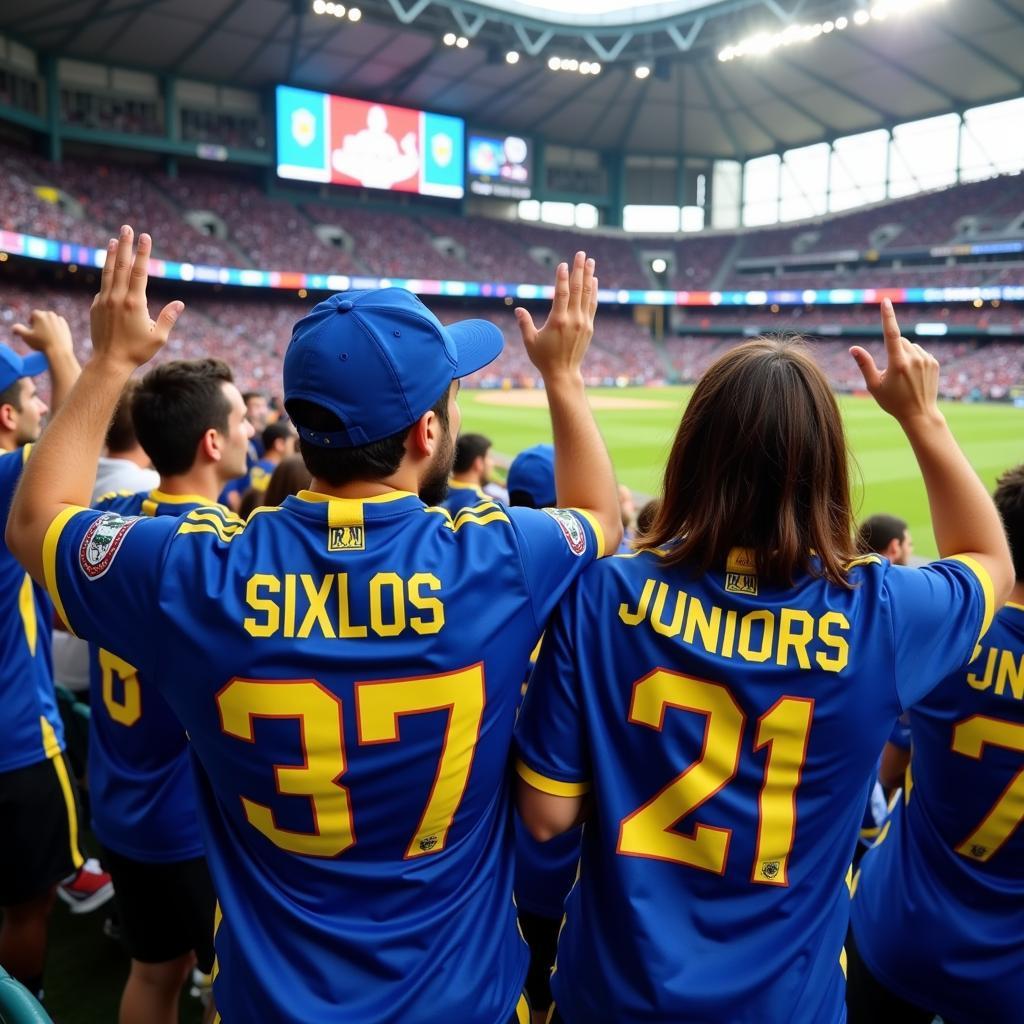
[(347, 666), (38, 818)]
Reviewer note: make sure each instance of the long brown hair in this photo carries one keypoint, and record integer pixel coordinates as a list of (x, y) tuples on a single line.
[(760, 462)]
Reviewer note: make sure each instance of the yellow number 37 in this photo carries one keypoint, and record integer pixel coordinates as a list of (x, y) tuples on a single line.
[(379, 707)]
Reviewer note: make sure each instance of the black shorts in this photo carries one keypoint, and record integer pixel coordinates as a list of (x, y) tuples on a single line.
[(541, 934), (166, 909), (868, 1001), (38, 829)]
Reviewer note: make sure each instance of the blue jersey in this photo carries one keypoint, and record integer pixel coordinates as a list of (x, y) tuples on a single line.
[(30, 725), (727, 730), (938, 908), (461, 495), (140, 782), (348, 672)]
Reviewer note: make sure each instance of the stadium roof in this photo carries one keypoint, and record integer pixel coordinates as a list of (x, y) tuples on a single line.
[(950, 56)]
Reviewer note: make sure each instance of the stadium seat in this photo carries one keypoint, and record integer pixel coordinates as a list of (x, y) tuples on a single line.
[(18, 1005)]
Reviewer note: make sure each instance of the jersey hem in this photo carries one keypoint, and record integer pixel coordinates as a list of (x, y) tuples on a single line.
[(554, 787)]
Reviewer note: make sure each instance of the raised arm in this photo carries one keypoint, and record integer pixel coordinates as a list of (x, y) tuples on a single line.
[(50, 334), (964, 518), (62, 470), (584, 477)]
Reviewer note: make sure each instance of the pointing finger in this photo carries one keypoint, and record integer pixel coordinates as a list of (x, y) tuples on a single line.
[(108, 268), (140, 268), (560, 303), (576, 282), (123, 263), (891, 332)]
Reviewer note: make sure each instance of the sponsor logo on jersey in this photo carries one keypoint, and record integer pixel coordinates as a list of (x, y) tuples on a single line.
[(101, 542), (346, 538), (741, 583), (575, 535)]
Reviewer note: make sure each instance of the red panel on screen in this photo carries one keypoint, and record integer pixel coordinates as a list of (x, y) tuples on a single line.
[(374, 145)]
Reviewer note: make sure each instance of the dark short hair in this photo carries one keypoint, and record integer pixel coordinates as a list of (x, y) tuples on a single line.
[(468, 449), (248, 396), (338, 466), (121, 432), (1009, 499), (279, 431), (11, 395), (760, 462), (175, 405), (877, 532)]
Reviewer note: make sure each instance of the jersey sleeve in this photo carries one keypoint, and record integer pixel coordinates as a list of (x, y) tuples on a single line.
[(103, 572), (556, 545), (939, 613), (550, 740)]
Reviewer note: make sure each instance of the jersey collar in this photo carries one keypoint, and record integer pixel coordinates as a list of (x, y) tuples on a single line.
[(163, 498)]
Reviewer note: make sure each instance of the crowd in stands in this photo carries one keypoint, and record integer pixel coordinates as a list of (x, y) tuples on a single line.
[(275, 233)]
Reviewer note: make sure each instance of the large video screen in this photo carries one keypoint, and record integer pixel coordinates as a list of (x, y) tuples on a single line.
[(500, 165), (368, 145)]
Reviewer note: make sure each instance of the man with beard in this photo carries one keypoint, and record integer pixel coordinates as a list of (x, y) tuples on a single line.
[(471, 472), (347, 666)]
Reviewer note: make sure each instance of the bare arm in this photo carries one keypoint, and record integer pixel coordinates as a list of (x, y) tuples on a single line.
[(545, 815), (584, 477), (62, 470), (50, 334), (963, 516)]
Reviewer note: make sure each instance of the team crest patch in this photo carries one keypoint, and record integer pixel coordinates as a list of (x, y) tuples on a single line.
[(574, 534), (346, 538), (100, 544), (740, 572)]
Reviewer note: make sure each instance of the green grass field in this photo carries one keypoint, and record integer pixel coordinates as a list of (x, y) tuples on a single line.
[(639, 440)]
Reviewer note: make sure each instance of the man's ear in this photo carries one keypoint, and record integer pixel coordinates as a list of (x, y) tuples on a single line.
[(892, 549), (423, 436), (8, 416), (210, 446)]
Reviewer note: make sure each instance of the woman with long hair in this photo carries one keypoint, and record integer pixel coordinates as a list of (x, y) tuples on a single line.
[(712, 707)]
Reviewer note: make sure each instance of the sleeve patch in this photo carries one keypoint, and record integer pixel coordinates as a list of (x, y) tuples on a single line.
[(572, 529), (101, 542)]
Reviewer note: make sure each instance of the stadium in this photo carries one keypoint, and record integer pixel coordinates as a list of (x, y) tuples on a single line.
[(736, 169)]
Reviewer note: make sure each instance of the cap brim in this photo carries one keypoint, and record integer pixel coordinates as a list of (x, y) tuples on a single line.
[(477, 343), (33, 364)]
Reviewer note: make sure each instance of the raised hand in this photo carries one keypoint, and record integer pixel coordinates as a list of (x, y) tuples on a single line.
[(45, 332), (121, 326), (560, 345), (909, 385)]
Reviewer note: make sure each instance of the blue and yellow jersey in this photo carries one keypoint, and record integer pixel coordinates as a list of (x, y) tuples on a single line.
[(348, 672), (462, 495), (938, 908), (726, 732), (30, 725), (257, 477), (140, 782)]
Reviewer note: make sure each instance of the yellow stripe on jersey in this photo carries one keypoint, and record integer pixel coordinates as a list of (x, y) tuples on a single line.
[(219, 533), (602, 547), (552, 786), (375, 499), (523, 1010), (206, 520), (863, 560), (110, 495), (215, 514), (461, 520), (842, 960), (551, 1014), (50, 541), (26, 451), (27, 608), (986, 587), (53, 752)]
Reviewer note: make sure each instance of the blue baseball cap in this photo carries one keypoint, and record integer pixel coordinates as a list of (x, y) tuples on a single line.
[(533, 472), (13, 366), (379, 359)]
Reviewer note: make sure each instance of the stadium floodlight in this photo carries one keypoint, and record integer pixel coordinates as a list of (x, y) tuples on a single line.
[(554, 63), (642, 71), (319, 7), (339, 10), (354, 14), (462, 42), (841, 23), (512, 57), (448, 39), (659, 265), (595, 67), (861, 17)]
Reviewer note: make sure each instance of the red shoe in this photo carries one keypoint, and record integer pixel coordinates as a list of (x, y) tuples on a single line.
[(87, 890)]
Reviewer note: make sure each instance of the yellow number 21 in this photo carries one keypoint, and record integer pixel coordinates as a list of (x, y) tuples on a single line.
[(784, 730)]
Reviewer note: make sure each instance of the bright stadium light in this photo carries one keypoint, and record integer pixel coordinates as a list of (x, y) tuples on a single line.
[(319, 7), (642, 71), (658, 265), (512, 57), (354, 14), (462, 42), (448, 39), (554, 63), (761, 44)]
